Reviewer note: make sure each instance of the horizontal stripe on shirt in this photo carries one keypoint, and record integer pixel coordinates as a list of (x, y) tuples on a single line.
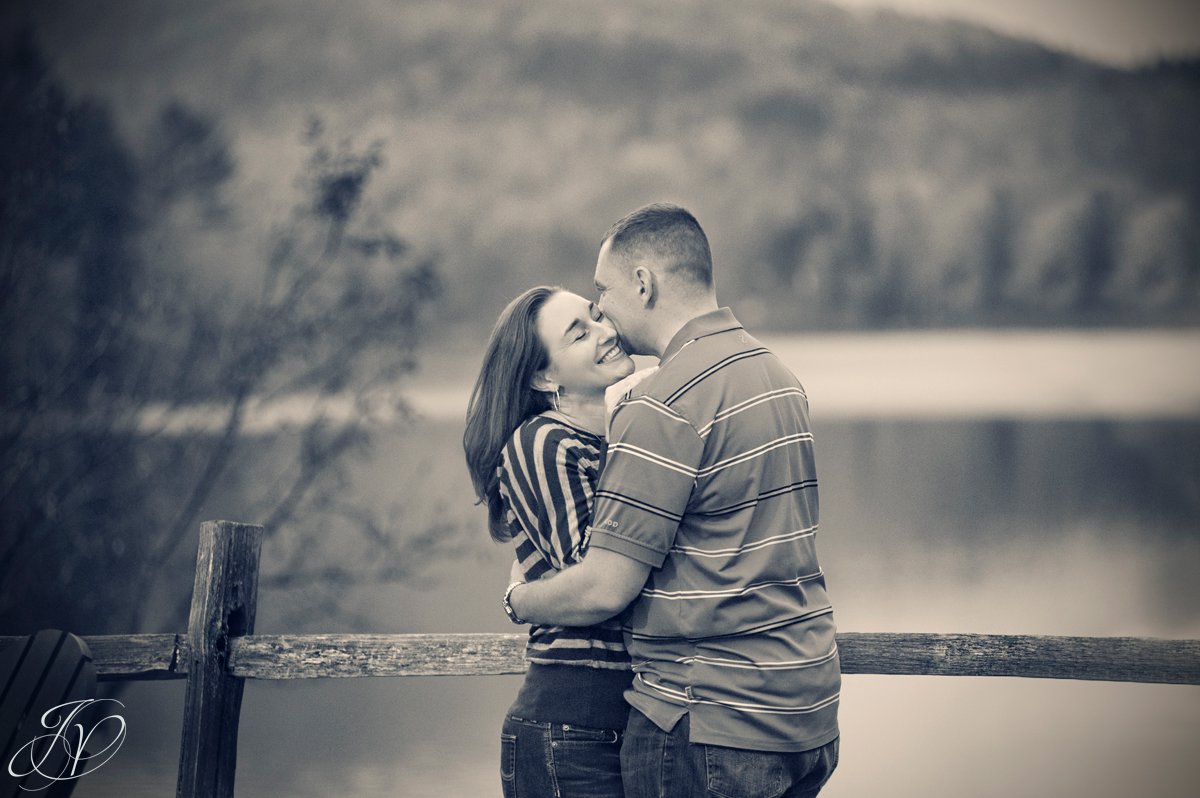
[(641, 505), (761, 664), (659, 460), (758, 451), (678, 595), (701, 377), (749, 403), (606, 635), (788, 537), (770, 494), (741, 706)]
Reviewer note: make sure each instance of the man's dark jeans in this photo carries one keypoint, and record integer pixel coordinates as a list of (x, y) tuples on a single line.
[(554, 760), (655, 764)]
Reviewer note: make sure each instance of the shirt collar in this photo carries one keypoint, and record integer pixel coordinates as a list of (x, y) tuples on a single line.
[(714, 321)]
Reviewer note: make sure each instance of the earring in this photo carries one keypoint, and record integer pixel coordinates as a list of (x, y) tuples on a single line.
[(555, 399)]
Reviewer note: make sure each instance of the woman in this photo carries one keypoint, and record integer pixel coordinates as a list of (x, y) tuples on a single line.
[(534, 442)]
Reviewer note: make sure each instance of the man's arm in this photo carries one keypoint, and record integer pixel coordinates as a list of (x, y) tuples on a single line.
[(643, 491), (595, 589)]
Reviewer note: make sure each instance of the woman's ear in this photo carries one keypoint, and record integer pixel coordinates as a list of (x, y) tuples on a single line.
[(542, 382)]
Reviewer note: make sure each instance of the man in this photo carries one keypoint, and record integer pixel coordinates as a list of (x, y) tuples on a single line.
[(705, 518)]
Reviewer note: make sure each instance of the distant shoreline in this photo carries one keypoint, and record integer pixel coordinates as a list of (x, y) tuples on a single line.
[(954, 375), (1020, 375)]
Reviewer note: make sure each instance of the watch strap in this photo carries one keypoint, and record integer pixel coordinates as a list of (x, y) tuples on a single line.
[(507, 605)]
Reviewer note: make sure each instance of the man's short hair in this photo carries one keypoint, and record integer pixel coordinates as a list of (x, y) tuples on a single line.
[(666, 233)]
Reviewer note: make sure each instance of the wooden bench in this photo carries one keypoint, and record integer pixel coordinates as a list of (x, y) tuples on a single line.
[(50, 669)]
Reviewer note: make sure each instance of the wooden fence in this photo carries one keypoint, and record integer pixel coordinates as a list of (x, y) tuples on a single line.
[(220, 651)]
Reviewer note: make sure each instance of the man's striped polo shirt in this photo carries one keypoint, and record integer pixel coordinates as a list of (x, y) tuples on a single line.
[(710, 480)]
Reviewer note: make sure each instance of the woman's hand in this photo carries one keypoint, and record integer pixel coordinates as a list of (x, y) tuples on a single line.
[(516, 574)]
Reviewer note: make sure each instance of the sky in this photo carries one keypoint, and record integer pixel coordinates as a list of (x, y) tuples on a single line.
[(1119, 32), (1122, 32)]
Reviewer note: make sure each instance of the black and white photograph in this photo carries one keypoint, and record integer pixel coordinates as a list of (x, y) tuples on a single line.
[(563, 399)]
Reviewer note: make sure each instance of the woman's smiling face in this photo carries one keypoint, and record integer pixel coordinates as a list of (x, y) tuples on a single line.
[(585, 357)]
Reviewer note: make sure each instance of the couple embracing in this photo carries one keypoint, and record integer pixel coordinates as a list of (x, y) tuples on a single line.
[(682, 642)]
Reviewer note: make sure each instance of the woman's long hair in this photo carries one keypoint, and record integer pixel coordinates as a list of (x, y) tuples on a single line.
[(504, 397)]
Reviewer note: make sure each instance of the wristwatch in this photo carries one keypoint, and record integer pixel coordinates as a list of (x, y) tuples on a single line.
[(508, 610)]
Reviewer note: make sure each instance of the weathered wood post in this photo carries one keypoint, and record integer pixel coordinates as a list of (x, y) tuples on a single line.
[(224, 598)]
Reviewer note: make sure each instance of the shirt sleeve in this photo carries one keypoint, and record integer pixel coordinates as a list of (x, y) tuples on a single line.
[(648, 478), (549, 483)]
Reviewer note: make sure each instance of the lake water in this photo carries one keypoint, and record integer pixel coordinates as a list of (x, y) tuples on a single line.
[(1014, 483)]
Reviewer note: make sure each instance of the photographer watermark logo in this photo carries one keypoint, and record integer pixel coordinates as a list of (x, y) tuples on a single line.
[(62, 755)]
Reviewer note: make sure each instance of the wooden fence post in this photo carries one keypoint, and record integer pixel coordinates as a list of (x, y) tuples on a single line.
[(223, 607)]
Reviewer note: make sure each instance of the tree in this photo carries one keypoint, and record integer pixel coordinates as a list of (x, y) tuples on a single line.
[(1065, 257), (1157, 265), (69, 216), (131, 393)]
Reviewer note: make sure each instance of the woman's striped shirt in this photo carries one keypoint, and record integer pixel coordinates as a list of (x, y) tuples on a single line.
[(548, 472)]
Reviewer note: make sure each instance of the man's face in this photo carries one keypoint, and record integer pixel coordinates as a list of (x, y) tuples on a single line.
[(619, 300)]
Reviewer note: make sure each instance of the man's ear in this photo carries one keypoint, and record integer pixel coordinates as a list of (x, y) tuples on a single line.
[(542, 382), (647, 285)]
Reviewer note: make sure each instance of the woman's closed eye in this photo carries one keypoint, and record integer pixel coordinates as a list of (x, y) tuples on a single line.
[(585, 329)]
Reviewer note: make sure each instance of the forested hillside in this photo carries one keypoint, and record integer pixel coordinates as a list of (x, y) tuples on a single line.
[(853, 170)]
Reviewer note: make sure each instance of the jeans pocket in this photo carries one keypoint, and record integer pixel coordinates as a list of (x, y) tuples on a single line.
[(738, 773), (587, 762), (584, 734), (508, 756)]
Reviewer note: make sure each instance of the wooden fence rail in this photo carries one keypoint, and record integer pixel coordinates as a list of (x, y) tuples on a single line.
[(1113, 659), (220, 651)]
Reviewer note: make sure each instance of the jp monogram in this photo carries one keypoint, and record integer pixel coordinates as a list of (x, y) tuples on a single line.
[(63, 749)]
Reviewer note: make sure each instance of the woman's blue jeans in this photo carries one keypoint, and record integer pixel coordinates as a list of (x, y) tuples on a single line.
[(556, 760)]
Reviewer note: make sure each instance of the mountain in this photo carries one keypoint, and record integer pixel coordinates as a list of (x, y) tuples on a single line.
[(852, 169)]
